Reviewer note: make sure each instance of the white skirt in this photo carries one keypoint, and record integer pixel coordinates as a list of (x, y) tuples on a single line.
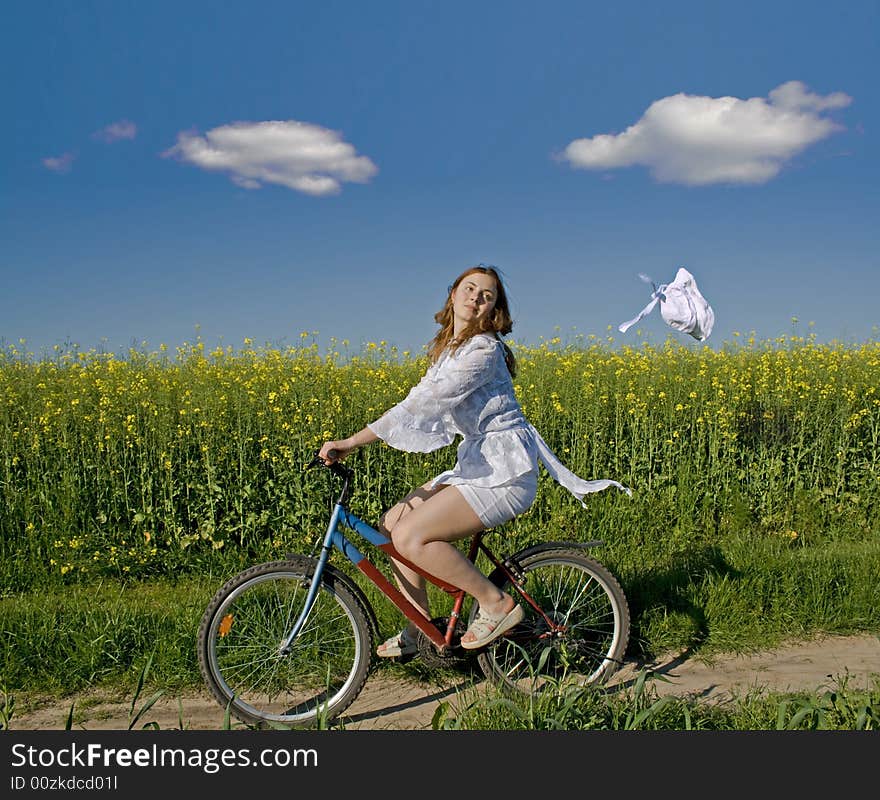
[(496, 505)]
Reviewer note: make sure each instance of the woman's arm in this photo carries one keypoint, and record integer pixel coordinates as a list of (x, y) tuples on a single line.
[(420, 422), (344, 447), (416, 424)]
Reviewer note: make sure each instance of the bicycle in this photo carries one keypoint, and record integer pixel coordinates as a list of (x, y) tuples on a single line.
[(290, 642)]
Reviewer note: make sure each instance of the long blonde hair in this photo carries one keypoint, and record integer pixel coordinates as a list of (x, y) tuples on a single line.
[(499, 322)]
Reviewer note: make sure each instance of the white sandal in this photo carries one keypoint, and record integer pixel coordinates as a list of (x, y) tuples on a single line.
[(401, 644), (487, 628)]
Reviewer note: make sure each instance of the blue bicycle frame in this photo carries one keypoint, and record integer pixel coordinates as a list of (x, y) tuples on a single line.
[(334, 538)]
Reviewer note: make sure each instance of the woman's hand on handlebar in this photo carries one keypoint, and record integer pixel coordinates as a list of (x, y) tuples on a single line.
[(331, 452)]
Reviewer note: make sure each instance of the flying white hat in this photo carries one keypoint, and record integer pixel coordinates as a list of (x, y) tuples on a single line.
[(681, 306)]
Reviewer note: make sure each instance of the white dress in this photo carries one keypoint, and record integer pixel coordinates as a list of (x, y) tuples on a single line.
[(470, 393)]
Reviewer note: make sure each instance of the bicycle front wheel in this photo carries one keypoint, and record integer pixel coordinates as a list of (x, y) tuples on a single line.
[(240, 637), (578, 633)]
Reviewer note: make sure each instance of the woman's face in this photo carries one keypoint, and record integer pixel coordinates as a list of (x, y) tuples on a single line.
[(473, 298)]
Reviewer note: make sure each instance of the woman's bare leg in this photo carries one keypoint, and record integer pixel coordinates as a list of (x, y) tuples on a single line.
[(423, 532), (411, 584)]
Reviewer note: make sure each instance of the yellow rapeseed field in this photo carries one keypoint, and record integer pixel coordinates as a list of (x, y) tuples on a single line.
[(138, 464)]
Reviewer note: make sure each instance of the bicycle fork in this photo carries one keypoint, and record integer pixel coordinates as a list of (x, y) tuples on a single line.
[(314, 583)]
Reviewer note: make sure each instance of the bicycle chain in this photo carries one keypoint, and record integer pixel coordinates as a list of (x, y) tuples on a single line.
[(450, 658)]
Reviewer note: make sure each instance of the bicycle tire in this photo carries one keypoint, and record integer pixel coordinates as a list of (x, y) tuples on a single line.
[(239, 646), (574, 590)]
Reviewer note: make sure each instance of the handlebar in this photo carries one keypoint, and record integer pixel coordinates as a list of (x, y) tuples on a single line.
[(337, 467)]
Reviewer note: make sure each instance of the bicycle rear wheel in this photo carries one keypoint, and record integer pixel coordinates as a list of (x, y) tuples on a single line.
[(581, 633), (239, 646)]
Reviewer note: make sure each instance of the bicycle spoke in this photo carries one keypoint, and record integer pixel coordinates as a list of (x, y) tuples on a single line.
[(324, 667), (580, 632)]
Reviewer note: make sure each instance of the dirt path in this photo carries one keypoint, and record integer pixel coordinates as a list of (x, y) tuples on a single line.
[(395, 703)]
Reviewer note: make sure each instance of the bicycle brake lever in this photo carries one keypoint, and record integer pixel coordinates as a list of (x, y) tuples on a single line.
[(317, 461)]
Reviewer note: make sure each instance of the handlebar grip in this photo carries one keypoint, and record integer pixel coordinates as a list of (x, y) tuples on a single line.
[(335, 466)]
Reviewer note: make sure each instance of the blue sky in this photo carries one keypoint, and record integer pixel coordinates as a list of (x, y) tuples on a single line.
[(233, 170)]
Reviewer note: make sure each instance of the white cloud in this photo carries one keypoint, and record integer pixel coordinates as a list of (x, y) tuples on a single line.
[(298, 155), (59, 163), (697, 140), (123, 129)]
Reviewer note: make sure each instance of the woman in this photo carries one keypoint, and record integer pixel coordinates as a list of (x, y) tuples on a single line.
[(467, 390)]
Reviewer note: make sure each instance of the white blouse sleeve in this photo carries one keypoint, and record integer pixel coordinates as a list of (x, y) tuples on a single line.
[(421, 422)]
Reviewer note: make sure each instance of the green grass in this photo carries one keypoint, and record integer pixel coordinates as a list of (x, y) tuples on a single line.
[(751, 594), (742, 597), (640, 707), (102, 635)]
